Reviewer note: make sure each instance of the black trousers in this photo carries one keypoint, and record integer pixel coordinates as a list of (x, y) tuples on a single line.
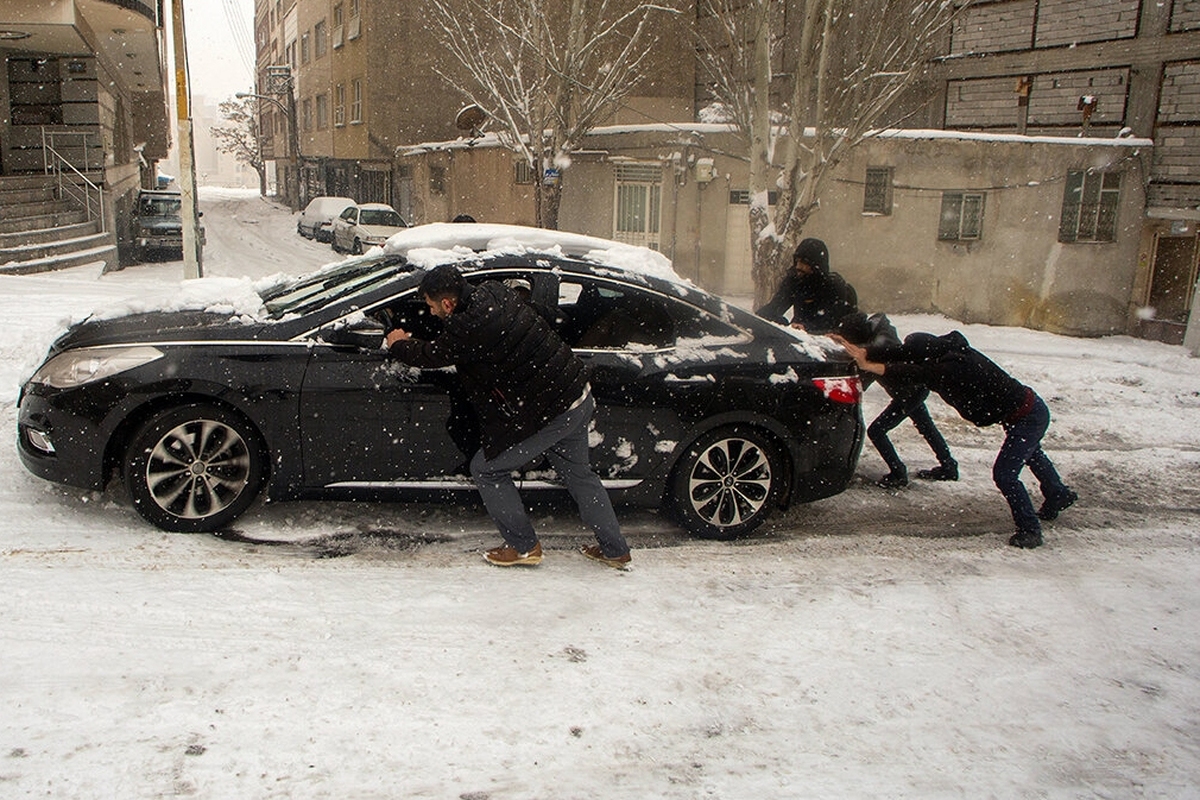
[(910, 404)]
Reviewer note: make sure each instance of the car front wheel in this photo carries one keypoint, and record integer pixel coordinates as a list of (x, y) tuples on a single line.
[(193, 469), (726, 483), (357, 248)]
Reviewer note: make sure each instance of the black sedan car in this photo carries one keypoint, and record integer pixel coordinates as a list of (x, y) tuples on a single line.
[(704, 410)]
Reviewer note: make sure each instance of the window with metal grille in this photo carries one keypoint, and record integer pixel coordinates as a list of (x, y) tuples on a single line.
[(523, 173), (962, 216), (339, 105), (1089, 209), (877, 193), (437, 180), (638, 204)]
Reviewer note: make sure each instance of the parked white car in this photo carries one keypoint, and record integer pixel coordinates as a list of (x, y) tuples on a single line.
[(364, 226), (317, 218)]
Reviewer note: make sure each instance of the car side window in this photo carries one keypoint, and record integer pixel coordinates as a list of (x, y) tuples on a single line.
[(411, 313), (604, 316)]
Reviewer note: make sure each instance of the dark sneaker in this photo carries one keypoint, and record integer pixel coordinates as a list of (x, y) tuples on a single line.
[(1057, 504), (505, 556), (945, 472), (594, 552), (893, 480), (1026, 539)]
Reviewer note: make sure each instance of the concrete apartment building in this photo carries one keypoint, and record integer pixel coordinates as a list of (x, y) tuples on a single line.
[(1049, 176), (84, 120)]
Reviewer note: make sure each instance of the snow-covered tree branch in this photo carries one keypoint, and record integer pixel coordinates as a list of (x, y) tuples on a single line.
[(545, 72), (241, 138), (848, 64)]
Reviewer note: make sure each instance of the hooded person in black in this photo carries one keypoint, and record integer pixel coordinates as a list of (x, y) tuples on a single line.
[(982, 393), (819, 299)]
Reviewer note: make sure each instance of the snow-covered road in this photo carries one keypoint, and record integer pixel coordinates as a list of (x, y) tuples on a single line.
[(873, 644)]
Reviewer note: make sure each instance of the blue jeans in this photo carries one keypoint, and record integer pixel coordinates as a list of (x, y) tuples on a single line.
[(564, 442), (909, 404), (1023, 447)]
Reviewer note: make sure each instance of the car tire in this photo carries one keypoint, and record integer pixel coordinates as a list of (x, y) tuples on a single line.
[(726, 483), (357, 248), (194, 468)]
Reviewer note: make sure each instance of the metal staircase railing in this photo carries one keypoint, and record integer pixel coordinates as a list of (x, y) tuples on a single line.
[(75, 186)]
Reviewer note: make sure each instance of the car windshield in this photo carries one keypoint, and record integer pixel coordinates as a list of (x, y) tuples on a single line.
[(348, 279), (160, 206), (380, 216)]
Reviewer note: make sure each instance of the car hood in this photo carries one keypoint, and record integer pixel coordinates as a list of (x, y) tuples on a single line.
[(163, 326), (380, 231)]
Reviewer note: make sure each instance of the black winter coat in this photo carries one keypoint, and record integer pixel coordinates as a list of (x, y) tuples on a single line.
[(818, 301), (517, 374), (974, 385)]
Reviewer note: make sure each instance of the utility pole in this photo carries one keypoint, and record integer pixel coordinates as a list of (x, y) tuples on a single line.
[(192, 261)]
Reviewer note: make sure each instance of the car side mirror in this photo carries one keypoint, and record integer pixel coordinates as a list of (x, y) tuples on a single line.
[(363, 336)]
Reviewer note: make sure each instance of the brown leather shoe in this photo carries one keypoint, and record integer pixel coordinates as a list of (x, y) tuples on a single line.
[(505, 556), (594, 552)]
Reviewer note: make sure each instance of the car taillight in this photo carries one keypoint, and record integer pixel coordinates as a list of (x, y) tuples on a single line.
[(840, 390)]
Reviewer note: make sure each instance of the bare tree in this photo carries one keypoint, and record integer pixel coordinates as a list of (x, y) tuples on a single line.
[(546, 72), (851, 62), (241, 138)]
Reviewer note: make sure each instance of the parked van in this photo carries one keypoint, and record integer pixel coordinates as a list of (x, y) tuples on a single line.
[(158, 224), (316, 220)]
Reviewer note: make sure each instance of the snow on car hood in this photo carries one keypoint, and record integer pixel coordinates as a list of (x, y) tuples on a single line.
[(427, 246), (236, 297)]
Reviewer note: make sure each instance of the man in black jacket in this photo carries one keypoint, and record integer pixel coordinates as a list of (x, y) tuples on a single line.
[(532, 398), (818, 298), (983, 393)]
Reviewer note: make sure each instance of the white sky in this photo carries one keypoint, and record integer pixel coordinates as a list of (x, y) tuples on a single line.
[(220, 40)]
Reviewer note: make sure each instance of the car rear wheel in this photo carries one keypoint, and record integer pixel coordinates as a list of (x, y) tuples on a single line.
[(194, 468), (726, 483)]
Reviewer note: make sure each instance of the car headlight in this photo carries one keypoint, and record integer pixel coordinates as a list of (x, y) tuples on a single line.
[(77, 367)]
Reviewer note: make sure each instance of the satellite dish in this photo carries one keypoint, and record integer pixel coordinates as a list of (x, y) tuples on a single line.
[(470, 118)]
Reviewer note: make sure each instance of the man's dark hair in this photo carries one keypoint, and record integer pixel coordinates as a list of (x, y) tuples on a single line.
[(855, 328), (443, 282)]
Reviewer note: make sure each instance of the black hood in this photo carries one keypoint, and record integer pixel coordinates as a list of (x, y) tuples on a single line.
[(814, 253), (159, 326)]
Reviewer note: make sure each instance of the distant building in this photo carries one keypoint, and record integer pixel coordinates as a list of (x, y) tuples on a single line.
[(1050, 176), (83, 93)]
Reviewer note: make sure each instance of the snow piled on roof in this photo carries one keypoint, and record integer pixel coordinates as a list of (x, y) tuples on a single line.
[(427, 246)]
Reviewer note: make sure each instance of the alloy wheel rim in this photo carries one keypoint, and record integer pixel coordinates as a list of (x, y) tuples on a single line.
[(198, 469), (730, 482)]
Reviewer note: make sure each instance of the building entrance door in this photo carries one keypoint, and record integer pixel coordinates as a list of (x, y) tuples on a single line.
[(1172, 282)]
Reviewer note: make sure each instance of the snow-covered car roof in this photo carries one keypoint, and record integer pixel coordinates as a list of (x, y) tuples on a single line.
[(426, 246)]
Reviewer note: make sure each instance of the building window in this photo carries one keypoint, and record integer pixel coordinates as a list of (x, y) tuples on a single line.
[(962, 216), (741, 197), (1089, 209), (322, 112), (307, 107), (339, 105), (437, 180), (524, 172), (339, 29), (877, 193), (638, 204), (319, 40), (356, 93), (305, 51)]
